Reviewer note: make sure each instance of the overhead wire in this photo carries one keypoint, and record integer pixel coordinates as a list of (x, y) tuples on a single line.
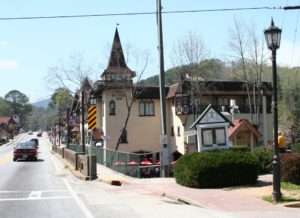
[(137, 13)]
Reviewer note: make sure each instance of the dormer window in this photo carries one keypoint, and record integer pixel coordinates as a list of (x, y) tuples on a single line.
[(182, 104)]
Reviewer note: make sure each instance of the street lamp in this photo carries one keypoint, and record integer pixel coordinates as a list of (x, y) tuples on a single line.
[(273, 36), (92, 99)]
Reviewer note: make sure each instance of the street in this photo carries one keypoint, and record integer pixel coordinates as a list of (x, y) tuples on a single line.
[(46, 188)]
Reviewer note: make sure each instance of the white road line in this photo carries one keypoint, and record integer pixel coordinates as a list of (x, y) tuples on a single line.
[(42, 191), (35, 195), (35, 199), (81, 205)]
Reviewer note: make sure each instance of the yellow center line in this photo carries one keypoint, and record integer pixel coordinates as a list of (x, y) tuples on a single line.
[(5, 159)]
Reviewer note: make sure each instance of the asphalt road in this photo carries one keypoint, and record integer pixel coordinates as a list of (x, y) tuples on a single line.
[(46, 188)]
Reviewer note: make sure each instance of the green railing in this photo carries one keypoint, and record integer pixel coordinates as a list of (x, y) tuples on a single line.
[(141, 165)]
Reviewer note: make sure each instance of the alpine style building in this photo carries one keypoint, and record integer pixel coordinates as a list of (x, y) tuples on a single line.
[(128, 117)]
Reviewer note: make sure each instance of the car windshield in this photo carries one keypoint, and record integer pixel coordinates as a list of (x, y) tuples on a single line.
[(25, 145)]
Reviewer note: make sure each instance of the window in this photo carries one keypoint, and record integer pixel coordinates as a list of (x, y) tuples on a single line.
[(172, 130), (178, 130), (146, 108), (212, 137), (123, 138), (112, 108)]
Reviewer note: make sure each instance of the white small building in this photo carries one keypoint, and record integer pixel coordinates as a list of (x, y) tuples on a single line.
[(212, 130)]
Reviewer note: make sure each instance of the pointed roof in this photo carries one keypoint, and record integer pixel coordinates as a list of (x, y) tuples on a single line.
[(117, 63), (210, 115), (85, 85), (242, 124), (116, 58)]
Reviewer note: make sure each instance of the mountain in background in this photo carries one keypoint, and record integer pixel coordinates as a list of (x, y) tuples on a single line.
[(43, 103)]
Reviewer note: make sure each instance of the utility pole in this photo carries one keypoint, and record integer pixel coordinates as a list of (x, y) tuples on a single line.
[(68, 127), (163, 138), (82, 121)]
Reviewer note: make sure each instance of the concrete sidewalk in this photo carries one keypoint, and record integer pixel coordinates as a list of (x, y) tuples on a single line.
[(215, 199)]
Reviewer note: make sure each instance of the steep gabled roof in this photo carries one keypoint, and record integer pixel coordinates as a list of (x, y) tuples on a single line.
[(206, 117), (241, 124)]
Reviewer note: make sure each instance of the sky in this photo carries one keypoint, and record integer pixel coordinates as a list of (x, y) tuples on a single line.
[(30, 47)]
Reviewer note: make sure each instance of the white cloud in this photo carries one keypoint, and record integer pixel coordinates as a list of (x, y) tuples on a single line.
[(288, 54), (8, 65)]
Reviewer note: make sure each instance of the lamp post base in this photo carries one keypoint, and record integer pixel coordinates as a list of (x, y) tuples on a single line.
[(277, 196)]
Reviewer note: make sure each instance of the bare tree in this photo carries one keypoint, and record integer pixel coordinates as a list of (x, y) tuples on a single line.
[(249, 52), (188, 52), (189, 49), (70, 73)]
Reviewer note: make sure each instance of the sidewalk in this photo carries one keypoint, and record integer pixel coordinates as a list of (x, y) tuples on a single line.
[(215, 199)]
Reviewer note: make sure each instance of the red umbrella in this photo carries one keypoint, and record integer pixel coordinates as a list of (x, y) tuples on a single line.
[(132, 163), (146, 162), (157, 162), (117, 163), (173, 162)]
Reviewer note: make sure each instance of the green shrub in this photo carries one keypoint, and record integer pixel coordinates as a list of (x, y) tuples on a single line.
[(214, 169), (240, 148), (265, 158), (290, 168), (295, 148)]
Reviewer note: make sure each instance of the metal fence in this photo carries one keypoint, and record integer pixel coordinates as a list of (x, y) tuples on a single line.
[(141, 165)]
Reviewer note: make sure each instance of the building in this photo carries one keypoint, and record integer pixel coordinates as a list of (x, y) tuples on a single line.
[(128, 117)]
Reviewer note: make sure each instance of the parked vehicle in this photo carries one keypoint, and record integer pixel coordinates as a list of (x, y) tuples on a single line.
[(30, 132), (39, 134), (25, 151)]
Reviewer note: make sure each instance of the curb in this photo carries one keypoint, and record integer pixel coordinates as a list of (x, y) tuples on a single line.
[(292, 204), (111, 182), (183, 199), (73, 171)]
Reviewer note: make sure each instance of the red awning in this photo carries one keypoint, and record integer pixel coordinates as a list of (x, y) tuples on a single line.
[(132, 163), (146, 162), (118, 163)]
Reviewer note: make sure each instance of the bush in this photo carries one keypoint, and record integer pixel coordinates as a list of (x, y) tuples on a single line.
[(295, 148), (239, 148), (265, 158), (290, 168), (214, 169)]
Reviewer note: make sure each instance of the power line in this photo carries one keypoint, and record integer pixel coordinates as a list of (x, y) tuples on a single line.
[(138, 13)]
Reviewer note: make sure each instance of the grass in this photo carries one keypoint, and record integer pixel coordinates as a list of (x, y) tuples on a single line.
[(290, 186), (285, 199)]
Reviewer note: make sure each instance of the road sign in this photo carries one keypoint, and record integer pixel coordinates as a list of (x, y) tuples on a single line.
[(163, 139), (92, 117)]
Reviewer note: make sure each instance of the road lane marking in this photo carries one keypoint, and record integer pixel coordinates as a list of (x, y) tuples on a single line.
[(34, 199), (81, 205), (5, 159), (35, 195)]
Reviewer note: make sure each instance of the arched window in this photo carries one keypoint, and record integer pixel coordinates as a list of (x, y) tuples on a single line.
[(112, 107), (146, 108)]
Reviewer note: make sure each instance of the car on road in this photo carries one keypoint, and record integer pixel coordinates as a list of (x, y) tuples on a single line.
[(30, 132), (35, 141), (25, 151), (39, 134)]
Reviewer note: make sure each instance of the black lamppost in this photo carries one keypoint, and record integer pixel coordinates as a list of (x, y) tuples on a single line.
[(273, 36)]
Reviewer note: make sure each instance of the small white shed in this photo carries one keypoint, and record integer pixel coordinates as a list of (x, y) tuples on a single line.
[(212, 130)]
